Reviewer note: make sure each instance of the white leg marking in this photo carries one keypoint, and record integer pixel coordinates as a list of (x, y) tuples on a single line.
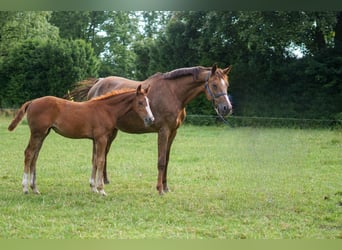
[(32, 180), (92, 185), (33, 185), (25, 183)]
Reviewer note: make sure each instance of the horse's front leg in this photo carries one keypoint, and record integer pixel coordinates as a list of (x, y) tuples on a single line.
[(163, 136), (100, 158), (168, 150), (93, 171), (109, 143)]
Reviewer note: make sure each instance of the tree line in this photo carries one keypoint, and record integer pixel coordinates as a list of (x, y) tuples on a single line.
[(285, 63)]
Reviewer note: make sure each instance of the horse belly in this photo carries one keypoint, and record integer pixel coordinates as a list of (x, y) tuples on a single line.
[(132, 123), (74, 123)]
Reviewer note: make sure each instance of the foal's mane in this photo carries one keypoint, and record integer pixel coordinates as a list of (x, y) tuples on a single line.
[(113, 93), (194, 71)]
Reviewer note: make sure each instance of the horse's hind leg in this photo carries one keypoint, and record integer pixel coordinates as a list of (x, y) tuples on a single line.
[(33, 168), (31, 155)]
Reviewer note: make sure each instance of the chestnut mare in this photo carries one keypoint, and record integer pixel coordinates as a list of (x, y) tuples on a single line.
[(95, 119), (170, 92)]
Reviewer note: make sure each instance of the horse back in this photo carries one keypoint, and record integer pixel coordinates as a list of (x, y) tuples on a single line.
[(44, 110), (110, 83)]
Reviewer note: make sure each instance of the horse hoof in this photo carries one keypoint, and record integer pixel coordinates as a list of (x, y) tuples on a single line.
[(26, 192), (106, 181), (102, 192)]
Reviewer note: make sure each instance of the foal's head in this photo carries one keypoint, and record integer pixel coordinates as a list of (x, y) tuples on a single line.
[(216, 87), (142, 106)]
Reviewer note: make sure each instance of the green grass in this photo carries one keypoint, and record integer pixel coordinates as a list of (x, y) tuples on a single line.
[(226, 183)]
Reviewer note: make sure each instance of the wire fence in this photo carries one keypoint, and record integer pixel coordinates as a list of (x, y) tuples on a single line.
[(8, 112), (253, 121), (243, 121)]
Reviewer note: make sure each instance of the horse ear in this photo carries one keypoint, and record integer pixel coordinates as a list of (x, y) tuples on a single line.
[(147, 89), (139, 90), (228, 69), (213, 69)]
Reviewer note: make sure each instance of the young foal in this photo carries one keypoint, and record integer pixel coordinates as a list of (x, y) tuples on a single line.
[(95, 119)]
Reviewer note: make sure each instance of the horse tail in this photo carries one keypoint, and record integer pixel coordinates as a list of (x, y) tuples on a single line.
[(19, 116), (80, 92)]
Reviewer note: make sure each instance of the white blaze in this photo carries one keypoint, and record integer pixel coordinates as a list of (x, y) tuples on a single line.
[(148, 108), (226, 96)]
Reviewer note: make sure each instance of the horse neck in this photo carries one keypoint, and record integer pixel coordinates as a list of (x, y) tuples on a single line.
[(187, 88), (119, 104)]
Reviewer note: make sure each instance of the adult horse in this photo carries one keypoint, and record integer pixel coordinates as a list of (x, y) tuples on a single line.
[(170, 92), (95, 119)]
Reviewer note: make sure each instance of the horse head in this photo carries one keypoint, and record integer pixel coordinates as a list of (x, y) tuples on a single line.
[(216, 86), (142, 106)]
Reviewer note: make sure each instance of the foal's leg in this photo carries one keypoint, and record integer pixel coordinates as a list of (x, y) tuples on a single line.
[(109, 143), (94, 170), (33, 164), (100, 157), (31, 155)]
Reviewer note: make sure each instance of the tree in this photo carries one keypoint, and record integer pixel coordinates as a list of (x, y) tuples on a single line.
[(19, 26), (120, 31), (36, 68), (85, 25)]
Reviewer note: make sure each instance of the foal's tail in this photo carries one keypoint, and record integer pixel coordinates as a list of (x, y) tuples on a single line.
[(19, 116), (80, 92)]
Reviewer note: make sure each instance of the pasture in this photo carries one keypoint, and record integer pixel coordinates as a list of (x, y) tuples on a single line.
[(240, 183)]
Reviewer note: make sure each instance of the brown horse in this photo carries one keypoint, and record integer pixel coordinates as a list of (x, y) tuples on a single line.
[(170, 93), (95, 119)]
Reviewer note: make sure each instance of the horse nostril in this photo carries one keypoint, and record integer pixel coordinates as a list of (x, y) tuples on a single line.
[(149, 120)]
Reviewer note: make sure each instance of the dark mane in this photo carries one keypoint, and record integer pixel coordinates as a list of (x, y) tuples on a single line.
[(194, 71)]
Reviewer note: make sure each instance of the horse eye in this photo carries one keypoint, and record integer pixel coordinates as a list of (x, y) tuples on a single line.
[(140, 103), (215, 86)]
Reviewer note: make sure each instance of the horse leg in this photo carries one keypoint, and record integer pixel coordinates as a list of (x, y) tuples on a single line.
[(94, 170), (109, 143), (168, 150), (163, 136), (100, 159), (31, 155)]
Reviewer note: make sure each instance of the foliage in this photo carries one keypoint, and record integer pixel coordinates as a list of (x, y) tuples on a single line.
[(285, 63), (18, 26), (36, 68), (268, 79)]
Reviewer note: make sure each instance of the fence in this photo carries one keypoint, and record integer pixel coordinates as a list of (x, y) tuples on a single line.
[(7, 112), (243, 121)]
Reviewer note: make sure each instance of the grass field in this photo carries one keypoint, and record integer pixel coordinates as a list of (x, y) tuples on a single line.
[(226, 183)]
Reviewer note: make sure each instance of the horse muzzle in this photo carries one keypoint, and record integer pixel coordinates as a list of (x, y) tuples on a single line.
[(148, 121), (224, 109)]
